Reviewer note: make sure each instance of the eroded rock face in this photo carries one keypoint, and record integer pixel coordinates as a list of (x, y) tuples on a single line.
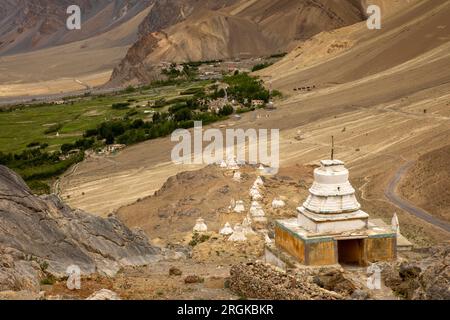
[(38, 231)]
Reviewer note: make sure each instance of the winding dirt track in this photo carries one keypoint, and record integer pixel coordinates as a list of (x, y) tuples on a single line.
[(392, 196)]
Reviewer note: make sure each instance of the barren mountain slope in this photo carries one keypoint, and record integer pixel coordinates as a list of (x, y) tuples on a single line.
[(246, 28), (31, 25), (417, 36), (427, 183), (60, 68)]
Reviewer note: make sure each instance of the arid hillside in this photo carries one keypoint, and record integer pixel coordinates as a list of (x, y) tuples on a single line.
[(427, 183), (58, 61), (235, 29), (370, 94), (171, 212), (31, 25)]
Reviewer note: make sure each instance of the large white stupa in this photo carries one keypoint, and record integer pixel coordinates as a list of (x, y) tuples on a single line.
[(330, 226), (332, 205)]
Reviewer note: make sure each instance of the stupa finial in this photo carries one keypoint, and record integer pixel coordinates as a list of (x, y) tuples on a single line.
[(332, 147)]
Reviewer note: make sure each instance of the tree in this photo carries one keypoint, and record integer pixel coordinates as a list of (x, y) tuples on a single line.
[(226, 110)]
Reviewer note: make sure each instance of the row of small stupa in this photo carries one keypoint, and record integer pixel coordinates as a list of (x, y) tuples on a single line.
[(256, 212)]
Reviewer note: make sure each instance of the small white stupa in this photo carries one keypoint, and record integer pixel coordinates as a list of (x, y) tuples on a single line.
[(247, 226), (258, 182), (232, 164), (223, 164), (238, 234), (278, 203), (267, 238), (257, 211), (200, 226), (239, 207), (237, 176), (226, 230), (255, 194), (395, 224), (261, 169)]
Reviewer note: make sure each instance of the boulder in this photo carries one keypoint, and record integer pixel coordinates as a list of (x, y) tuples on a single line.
[(104, 294)]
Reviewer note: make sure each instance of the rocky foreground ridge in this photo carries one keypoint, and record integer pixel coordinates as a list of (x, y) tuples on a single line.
[(41, 237)]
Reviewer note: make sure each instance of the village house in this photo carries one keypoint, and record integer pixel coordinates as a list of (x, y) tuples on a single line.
[(217, 104), (257, 103)]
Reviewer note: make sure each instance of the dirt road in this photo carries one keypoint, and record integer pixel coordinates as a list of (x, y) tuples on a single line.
[(392, 196)]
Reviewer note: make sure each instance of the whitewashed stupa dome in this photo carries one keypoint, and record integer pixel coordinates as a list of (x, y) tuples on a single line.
[(226, 230), (256, 210), (238, 234), (200, 226), (239, 207), (331, 192)]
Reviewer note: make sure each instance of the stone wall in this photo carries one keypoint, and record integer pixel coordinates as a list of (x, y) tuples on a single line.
[(262, 281)]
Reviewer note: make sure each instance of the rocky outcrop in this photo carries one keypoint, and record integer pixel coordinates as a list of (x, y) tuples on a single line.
[(261, 281), (426, 279), (43, 235), (104, 294)]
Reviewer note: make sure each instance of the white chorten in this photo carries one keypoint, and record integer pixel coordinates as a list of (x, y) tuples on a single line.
[(239, 207), (232, 164), (395, 224), (256, 210), (200, 226), (238, 234), (247, 226), (267, 238), (255, 194), (331, 206), (258, 182), (226, 230), (237, 176), (278, 203), (223, 164)]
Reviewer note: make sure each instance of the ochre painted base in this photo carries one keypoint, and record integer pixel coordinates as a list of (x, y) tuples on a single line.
[(329, 250)]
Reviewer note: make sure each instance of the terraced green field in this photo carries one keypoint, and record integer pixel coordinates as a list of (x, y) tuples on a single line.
[(20, 127)]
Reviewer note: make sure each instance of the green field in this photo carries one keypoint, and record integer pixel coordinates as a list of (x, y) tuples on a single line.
[(40, 142), (20, 127)]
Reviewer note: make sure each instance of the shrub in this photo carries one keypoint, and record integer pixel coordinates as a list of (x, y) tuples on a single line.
[(226, 110), (261, 66), (33, 144), (121, 105), (130, 89)]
